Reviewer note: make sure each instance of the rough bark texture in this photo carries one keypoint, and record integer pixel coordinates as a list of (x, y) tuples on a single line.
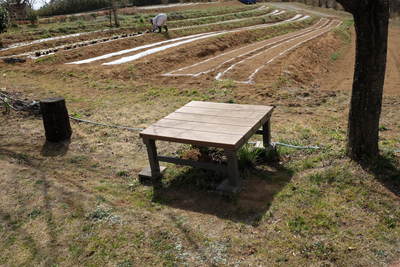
[(371, 22), (55, 119)]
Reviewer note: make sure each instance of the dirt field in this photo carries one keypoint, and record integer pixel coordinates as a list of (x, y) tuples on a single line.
[(81, 203)]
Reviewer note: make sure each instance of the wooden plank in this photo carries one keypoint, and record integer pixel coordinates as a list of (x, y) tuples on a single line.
[(216, 112), (192, 137), (226, 106), (209, 126), (212, 119), (203, 126)]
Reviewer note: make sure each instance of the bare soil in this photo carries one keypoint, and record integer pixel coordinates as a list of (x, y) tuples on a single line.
[(341, 77)]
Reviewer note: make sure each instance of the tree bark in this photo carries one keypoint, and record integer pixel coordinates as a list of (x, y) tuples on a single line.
[(371, 20)]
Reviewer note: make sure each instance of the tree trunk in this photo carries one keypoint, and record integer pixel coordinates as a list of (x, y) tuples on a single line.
[(371, 22), (334, 4), (115, 13), (110, 17), (55, 119)]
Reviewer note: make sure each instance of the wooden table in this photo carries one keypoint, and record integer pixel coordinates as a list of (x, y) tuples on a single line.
[(221, 125)]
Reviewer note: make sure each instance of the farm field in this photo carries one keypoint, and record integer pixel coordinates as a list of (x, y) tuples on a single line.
[(81, 203)]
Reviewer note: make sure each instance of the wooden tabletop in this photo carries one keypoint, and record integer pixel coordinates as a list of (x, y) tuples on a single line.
[(210, 124)]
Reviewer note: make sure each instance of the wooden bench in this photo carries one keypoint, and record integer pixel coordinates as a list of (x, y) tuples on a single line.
[(221, 125)]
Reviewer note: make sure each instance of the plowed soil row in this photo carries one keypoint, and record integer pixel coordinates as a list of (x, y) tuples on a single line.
[(243, 64), (71, 37), (246, 70), (57, 22), (50, 46), (218, 61), (161, 46)]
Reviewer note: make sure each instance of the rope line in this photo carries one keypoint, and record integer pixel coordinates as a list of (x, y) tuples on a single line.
[(294, 146)]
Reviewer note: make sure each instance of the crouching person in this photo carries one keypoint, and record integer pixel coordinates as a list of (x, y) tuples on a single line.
[(159, 22)]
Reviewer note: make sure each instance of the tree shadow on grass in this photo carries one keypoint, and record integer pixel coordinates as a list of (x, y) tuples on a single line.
[(69, 192), (386, 169), (194, 190)]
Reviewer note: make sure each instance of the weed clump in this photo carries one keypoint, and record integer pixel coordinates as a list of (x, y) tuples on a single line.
[(249, 156), (101, 214)]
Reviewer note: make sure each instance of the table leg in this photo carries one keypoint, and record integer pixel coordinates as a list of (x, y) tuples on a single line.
[(266, 129), (233, 183), (153, 160)]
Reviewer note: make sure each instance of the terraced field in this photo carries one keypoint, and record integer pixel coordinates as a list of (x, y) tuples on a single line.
[(187, 30)]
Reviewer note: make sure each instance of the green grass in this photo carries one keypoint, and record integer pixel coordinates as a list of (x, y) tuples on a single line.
[(335, 56), (297, 225), (46, 59)]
